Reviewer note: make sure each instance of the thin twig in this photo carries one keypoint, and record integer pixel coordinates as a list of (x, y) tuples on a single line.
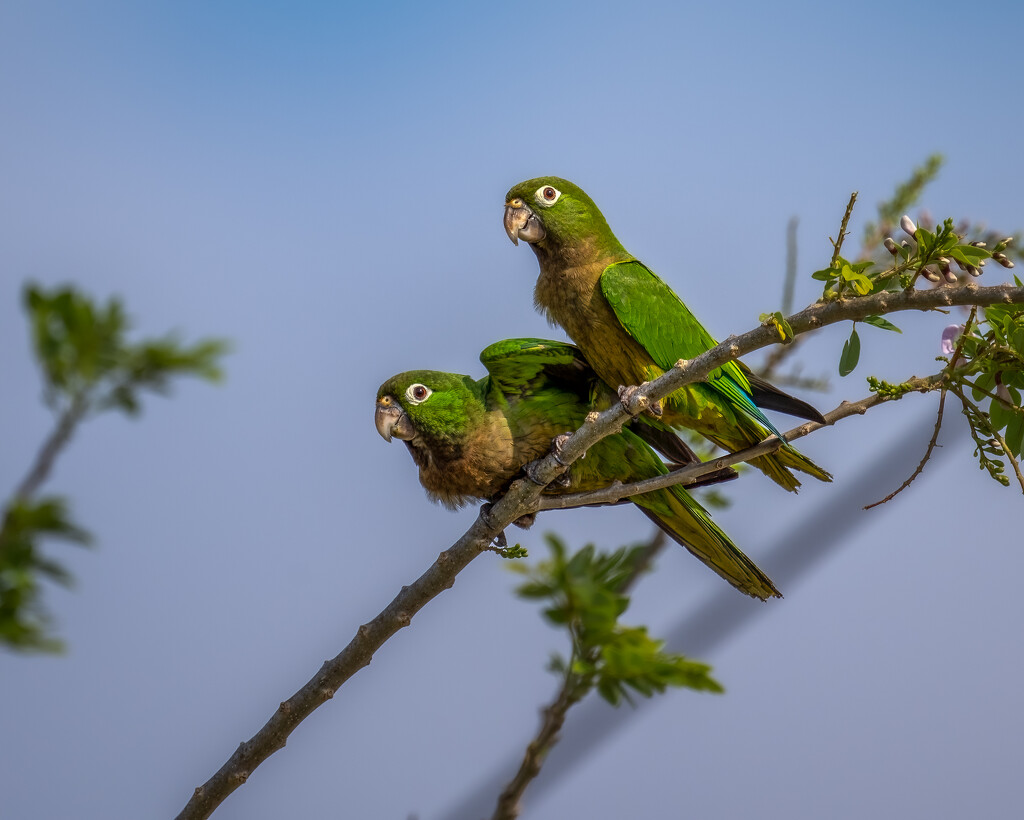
[(933, 441), (687, 475), (932, 444), (838, 243)]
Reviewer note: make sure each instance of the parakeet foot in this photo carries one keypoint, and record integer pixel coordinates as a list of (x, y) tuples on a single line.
[(560, 481), (635, 405), (500, 541)]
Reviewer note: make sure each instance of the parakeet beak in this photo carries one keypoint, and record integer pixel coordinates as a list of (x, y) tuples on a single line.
[(522, 223), (391, 420)]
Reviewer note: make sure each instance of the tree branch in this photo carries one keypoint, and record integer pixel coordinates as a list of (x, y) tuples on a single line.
[(689, 474), (55, 442), (538, 748), (523, 498)]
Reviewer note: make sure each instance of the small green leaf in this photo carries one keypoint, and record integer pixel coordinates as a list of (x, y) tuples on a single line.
[(782, 327), (999, 415), (1014, 436), (969, 254), (851, 354), (884, 324), (861, 284)]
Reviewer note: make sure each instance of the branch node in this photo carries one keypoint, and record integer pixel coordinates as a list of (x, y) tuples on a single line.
[(403, 618), (364, 632), (327, 692)]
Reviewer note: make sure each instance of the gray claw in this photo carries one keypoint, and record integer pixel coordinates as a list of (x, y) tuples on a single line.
[(635, 405), (500, 541)]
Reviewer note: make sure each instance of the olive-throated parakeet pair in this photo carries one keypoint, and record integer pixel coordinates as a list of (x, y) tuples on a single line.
[(471, 439), (631, 326)]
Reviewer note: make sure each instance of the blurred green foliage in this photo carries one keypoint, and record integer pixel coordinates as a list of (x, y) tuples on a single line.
[(88, 367), (584, 595)]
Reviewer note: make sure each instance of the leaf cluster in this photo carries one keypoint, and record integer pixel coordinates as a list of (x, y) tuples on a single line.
[(24, 623), (584, 595), (83, 353), (989, 384), (88, 366), (927, 254)]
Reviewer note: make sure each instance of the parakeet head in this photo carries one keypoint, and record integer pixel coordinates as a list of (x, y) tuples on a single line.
[(552, 213), (427, 408)]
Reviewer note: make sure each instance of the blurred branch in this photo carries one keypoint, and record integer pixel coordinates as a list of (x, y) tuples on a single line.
[(789, 284), (538, 748), (571, 691), (54, 443), (905, 195)]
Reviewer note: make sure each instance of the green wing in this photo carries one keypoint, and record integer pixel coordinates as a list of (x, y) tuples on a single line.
[(525, 365), (651, 313)]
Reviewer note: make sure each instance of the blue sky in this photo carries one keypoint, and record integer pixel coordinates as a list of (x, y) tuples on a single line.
[(322, 184)]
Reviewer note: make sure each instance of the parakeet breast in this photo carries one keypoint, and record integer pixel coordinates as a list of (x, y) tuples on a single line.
[(479, 466), (571, 297)]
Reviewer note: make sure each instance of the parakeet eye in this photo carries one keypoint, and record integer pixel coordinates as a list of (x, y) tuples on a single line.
[(546, 195), (418, 393)]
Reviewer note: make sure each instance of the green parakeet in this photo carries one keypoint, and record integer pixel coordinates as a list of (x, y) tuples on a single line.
[(632, 327), (471, 439)]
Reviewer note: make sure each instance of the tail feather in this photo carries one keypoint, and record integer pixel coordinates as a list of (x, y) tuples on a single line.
[(768, 397), (775, 465), (689, 524)]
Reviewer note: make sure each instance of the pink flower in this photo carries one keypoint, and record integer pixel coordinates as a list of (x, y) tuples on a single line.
[(949, 336)]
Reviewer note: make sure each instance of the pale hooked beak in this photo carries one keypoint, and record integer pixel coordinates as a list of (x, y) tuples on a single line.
[(522, 223), (391, 420)]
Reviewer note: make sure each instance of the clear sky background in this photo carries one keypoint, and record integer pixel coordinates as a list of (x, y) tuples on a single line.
[(322, 184)]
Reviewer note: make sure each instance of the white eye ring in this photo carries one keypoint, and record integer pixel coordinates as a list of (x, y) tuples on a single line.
[(547, 196), (418, 393)]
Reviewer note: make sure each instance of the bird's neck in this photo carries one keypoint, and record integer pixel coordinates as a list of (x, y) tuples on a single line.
[(567, 288)]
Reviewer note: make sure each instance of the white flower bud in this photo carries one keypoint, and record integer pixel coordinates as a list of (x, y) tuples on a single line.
[(891, 246), (908, 225), (929, 274)]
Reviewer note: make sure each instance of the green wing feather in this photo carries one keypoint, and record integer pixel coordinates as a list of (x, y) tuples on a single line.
[(518, 365), (545, 384), (651, 312)]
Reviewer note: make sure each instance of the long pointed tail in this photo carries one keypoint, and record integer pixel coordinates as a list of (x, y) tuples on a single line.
[(775, 465), (689, 524)]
